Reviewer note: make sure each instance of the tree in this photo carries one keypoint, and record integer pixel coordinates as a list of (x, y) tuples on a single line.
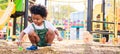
[(3, 1), (63, 12), (3, 4)]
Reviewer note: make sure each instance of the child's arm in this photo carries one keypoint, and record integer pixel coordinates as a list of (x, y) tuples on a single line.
[(58, 36), (21, 35), (55, 30), (20, 38)]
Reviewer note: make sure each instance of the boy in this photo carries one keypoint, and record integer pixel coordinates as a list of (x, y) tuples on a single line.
[(40, 32)]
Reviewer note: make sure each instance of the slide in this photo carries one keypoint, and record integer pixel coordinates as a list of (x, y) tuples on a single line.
[(5, 14)]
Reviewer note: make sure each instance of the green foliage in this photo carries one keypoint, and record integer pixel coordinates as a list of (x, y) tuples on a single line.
[(3, 7), (3, 4), (64, 12), (3, 1)]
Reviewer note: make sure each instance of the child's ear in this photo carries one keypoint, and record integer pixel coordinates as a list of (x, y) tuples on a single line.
[(44, 18)]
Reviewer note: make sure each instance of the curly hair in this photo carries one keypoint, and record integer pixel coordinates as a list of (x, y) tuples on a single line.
[(39, 9)]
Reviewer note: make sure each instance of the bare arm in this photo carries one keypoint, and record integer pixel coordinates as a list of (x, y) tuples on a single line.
[(21, 35), (58, 36), (20, 38), (56, 32)]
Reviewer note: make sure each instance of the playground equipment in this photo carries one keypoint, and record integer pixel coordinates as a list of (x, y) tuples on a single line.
[(15, 9), (77, 25), (104, 21), (5, 14), (71, 17)]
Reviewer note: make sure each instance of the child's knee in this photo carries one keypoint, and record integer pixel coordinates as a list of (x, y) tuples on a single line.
[(32, 33), (50, 32)]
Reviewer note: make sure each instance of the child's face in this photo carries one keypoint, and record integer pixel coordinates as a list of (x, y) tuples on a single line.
[(37, 19)]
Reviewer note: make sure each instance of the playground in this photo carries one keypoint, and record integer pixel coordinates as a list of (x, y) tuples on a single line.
[(76, 47), (83, 31)]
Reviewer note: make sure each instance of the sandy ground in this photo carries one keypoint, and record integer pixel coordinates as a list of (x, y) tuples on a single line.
[(62, 47)]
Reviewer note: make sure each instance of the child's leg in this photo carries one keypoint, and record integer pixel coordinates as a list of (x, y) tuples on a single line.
[(34, 38), (50, 36)]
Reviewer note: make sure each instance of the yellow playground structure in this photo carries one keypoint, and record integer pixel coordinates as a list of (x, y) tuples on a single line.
[(5, 14), (105, 22), (9, 11)]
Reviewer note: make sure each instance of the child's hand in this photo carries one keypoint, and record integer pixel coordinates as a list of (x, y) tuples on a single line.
[(19, 43), (59, 38)]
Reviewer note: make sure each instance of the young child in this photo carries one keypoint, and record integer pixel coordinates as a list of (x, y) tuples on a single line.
[(40, 31)]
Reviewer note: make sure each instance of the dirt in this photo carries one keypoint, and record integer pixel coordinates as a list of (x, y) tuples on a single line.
[(62, 47)]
